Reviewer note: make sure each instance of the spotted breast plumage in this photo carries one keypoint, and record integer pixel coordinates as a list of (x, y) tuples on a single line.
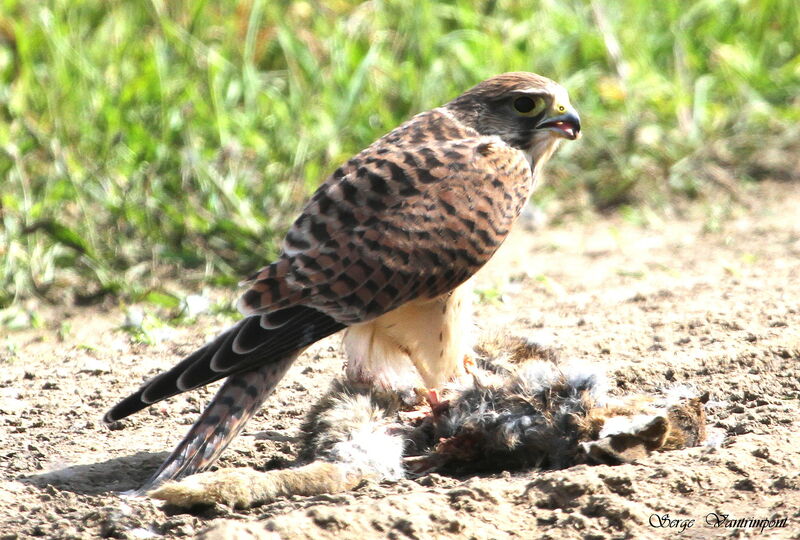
[(384, 249)]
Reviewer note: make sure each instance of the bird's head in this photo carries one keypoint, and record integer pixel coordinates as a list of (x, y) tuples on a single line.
[(527, 111)]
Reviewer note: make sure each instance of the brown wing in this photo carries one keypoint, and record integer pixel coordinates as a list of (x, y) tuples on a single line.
[(414, 222)]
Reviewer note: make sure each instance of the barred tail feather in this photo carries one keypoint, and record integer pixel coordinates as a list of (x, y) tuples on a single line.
[(235, 403), (255, 341)]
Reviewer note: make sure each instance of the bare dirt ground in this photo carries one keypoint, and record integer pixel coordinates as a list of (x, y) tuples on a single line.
[(713, 303)]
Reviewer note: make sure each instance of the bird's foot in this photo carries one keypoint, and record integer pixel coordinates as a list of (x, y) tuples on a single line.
[(438, 406), (419, 413)]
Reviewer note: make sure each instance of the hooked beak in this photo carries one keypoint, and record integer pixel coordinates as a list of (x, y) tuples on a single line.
[(567, 125)]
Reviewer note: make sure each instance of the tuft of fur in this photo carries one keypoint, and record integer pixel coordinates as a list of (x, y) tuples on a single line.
[(530, 418), (521, 409), (351, 425)]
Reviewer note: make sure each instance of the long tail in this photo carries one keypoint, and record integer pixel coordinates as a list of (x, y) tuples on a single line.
[(254, 355), (255, 341), (235, 403)]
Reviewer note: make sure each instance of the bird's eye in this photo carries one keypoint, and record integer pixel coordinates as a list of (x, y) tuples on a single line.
[(528, 106)]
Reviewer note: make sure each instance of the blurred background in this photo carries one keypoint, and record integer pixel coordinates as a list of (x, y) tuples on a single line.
[(150, 147)]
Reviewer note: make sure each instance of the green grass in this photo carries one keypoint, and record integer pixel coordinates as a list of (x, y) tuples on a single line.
[(150, 141)]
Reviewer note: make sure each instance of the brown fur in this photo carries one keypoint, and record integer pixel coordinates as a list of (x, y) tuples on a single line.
[(245, 487)]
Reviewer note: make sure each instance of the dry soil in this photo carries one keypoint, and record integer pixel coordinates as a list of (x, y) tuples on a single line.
[(714, 303)]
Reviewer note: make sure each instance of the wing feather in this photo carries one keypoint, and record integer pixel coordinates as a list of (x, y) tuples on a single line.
[(218, 359), (434, 229)]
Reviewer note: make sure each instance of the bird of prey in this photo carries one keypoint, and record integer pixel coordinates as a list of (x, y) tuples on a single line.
[(384, 249)]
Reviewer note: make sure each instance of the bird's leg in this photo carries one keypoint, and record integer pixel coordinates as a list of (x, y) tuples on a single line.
[(437, 407)]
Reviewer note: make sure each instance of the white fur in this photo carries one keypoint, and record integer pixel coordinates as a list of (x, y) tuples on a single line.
[(370, 452), (591, 377), (631, 425), (538, 375)]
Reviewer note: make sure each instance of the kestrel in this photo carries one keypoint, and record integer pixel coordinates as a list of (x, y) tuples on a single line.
[(383, 249)]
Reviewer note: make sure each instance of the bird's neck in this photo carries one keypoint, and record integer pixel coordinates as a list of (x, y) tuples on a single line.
[(539, 153)]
